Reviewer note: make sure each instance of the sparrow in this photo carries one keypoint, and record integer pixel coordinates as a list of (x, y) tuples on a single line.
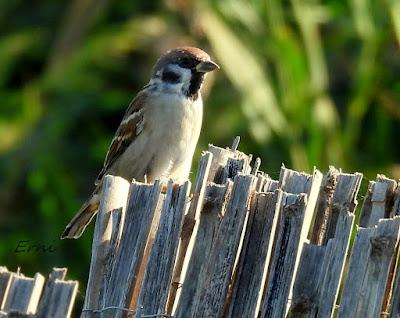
[(158, 134)]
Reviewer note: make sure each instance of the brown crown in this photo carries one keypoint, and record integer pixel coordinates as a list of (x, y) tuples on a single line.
[(189, 56)]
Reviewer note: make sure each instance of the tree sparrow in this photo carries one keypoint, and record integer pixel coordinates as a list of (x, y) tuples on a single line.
[(159, 132)]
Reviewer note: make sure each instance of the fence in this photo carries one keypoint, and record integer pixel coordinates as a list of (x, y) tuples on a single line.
[(22, 296), (240, 244), (245, 245)]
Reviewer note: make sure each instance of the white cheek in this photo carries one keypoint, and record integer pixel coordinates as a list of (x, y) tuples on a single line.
[(186, 77), (173, 88)]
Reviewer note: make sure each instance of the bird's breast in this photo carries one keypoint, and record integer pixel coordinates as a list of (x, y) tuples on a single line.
[(175, 123)]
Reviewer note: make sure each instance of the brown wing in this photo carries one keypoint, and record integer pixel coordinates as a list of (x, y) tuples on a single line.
[(130, 127)]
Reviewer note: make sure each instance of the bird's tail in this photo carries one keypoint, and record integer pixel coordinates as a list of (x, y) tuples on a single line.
[(81, 220)]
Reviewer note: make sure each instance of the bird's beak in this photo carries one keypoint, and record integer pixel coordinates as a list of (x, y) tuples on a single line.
[(206, 66)]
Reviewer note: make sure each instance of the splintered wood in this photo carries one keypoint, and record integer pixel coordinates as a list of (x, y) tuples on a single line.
[(320, 270), (22, 296), (244, 245)]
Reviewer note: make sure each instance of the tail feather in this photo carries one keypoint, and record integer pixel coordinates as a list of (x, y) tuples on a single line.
[(81, 220)]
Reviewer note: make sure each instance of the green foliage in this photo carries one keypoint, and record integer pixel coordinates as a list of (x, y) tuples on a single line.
[(303, 82)]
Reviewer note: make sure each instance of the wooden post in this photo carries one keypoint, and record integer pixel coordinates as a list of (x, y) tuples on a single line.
[(378, 202), (395, 296), (282, 267), (295, 183), (320, 269), (227, 163), (255, 255), (220, 265), (382, 202), (371, 257), (59, 296), (324, 206), (189, 224), (5, 282), (157, 278), (213, 209), (396, 202), (57, 273), (113, 200), (221, 165), (143, 202), (265, 183), (23, 294)]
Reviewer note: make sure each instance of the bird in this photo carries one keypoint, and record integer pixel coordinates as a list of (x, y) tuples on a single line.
[(158, 134)]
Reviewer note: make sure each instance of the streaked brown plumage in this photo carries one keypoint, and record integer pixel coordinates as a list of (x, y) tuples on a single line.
[(159, 131)]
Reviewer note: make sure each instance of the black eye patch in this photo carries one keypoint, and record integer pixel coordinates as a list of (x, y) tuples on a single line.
[(170, 77)]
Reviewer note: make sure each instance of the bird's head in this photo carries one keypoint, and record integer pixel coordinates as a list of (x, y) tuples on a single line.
[(182, 70)]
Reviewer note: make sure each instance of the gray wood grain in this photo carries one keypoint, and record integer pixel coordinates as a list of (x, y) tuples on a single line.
[(378, 202), (158, 275), (24, 294), (24, 298), (255, 255), (57, 273), (265, 183), (142, 204), (213, 209), (320, 269), (324, 205), (190, 220), (220, 266), (395, 301), (58, 297), (227, 163), (114, 196), (371, 258), (295, 182), (282, 267), (396, 201), (5, 282)]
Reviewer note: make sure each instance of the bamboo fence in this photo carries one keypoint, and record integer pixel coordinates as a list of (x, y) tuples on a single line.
[(242, 244), (25, 297)]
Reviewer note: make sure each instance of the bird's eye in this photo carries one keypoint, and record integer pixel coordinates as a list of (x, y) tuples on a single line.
[(170, 77)]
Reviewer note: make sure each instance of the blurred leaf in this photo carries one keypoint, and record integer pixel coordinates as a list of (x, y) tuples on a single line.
[(246, 73), (30, 110), (12, 47), (394, 8)]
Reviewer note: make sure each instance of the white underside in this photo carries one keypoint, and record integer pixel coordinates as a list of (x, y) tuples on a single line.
[(165, 147)]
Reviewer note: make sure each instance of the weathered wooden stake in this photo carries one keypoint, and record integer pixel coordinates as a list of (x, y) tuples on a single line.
[(189, 224), (378, 202), (295, 226), (59, 296), (157, 278), (23, 294), (369, 267), (213, 209), (224, 250), (143, 202), (255, 255), (320, 269), (282, 267), (113, 200)]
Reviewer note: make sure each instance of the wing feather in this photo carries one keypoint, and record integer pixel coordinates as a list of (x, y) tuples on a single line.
[(131, 126)]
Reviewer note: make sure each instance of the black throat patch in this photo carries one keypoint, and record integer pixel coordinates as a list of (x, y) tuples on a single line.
[(195, 83)]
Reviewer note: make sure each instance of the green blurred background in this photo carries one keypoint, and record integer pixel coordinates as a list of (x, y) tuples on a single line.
[(304, 82)]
